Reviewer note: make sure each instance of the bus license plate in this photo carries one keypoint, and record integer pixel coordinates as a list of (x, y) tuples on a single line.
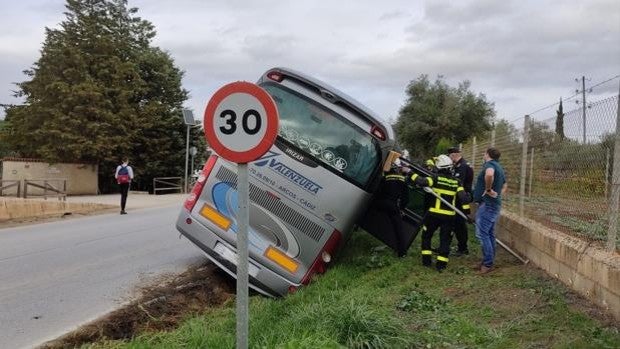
[(231, 256)]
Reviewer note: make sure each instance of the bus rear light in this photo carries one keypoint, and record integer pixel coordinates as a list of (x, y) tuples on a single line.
[(326, 257), (377, 132), (292, 289), (215, 217), (281, 259), (275, 76), (191, 200), (188, 220), (320, 265)]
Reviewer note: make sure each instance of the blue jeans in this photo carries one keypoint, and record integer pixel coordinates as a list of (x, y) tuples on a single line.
[(485, 231)]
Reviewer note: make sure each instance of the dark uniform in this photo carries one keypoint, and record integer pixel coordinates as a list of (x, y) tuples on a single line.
[(464, 173), (391, 199), (440, 215)]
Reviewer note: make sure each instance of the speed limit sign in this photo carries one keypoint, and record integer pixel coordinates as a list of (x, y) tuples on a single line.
[(241, 122)]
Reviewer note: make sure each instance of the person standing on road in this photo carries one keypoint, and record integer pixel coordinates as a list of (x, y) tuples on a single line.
[(464, 173), (490, 185), (124, 175)]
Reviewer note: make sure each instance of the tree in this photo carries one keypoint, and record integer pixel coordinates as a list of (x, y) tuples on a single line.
[(559, 122), (435, 111), (100, 91)]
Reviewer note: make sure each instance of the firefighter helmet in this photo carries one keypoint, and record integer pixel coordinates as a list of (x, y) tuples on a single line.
[(443, 162)]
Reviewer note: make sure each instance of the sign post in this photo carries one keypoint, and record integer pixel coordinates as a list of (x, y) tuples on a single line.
[(241, 124)]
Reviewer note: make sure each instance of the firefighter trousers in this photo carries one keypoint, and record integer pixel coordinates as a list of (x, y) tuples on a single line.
[(397, 229), (445, 225)]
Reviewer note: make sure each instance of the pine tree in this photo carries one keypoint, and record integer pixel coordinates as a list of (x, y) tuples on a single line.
[(559, 122), (100, 91)]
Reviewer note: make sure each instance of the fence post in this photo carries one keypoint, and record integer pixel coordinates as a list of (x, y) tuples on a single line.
[(607, 174), (615, 187), (473, 153), (526, 131), (529, 189), (25, 188)]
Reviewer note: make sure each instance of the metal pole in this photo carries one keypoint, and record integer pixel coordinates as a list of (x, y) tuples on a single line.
[(526, 131), (529, 193), (242, 249), (583, 106), (473, 154), (615, 187), (186, 156), (192, 166)]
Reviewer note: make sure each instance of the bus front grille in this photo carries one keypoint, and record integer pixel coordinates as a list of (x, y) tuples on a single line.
[(275, 206)]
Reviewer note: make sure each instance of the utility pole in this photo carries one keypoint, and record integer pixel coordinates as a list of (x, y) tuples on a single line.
[(583, 106)]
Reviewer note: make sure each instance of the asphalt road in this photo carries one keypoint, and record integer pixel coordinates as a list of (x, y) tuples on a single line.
[(57, 276)]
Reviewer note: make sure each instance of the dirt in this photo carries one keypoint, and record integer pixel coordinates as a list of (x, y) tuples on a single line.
[(159, 308), (52, 218)]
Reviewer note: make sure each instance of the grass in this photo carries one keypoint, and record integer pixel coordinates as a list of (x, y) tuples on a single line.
[(371, 299)]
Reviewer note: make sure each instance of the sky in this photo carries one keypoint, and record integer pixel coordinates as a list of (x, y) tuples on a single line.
[(523, 55)]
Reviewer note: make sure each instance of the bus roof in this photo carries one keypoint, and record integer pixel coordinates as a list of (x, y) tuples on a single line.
[(341, 96)]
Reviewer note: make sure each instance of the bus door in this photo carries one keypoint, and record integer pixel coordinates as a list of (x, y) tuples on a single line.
[(378, 224)]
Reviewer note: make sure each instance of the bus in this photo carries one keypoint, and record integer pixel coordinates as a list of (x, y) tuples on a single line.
[(306, 193)]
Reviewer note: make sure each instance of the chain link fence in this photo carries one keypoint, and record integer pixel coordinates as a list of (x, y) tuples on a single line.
[(560, 169)]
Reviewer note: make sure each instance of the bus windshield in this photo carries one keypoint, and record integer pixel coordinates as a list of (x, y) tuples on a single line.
[(330, 138)]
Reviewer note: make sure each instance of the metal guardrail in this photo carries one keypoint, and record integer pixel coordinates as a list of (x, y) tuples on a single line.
[(47, 188), (6, 184), (172, 183)]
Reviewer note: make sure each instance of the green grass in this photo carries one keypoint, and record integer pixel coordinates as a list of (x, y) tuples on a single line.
[(371, 299)]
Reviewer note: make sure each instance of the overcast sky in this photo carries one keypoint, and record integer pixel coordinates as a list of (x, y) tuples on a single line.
[(522, 55)]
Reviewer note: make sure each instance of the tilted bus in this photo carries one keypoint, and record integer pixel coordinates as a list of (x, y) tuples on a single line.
[(306, 193)]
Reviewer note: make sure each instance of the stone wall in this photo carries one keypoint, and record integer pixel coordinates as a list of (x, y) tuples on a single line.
[(81, 178), (586, 268), (14, 208)]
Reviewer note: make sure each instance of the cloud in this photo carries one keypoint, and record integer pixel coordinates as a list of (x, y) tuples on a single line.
[(522, 54)]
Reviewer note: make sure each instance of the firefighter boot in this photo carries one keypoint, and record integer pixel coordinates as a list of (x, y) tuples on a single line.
[(426, 260)]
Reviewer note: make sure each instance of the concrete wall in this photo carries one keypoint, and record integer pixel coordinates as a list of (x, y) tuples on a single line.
[(14, 208), (81, 178), (587, 269)]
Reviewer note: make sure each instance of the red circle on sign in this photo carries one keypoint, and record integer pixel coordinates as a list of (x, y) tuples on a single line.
[(271, 125)]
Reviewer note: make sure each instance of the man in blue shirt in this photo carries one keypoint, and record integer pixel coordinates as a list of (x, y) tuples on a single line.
[(490, 185)]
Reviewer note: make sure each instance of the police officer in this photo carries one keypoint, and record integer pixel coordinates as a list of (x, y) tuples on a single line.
[(440, 215), (391, 199), (464, 173)]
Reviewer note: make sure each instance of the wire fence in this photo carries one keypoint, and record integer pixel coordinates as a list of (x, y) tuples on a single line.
[(560, 169)]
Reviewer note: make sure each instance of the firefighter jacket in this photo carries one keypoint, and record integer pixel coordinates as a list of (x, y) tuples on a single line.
[(449, 189), (394, 189), (464, 173)]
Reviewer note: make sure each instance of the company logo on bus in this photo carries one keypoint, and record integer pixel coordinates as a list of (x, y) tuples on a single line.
[(288, 173)]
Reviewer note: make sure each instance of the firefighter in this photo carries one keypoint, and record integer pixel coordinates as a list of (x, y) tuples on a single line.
[(392, 199), (464, 173), (440, 215)]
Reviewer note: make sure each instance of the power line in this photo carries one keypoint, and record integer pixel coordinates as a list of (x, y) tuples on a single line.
[(565, 99)]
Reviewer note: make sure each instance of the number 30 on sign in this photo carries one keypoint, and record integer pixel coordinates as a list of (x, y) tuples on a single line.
[(241, 122)]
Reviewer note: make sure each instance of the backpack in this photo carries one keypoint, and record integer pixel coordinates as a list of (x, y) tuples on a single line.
[(123, 175)]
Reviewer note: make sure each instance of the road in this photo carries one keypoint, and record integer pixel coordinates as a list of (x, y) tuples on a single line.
[(57, 276)]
